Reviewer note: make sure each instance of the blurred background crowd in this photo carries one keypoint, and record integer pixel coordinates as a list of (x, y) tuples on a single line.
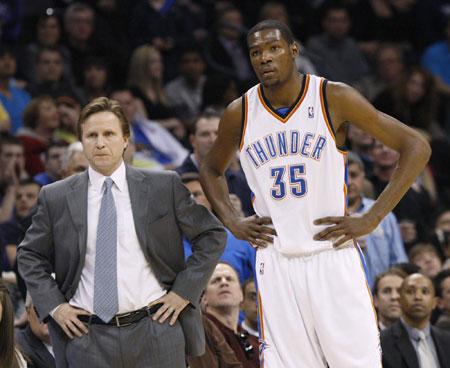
[(175, 65)]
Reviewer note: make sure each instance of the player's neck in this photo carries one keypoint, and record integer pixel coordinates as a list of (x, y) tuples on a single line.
[(285, 93), (252, 324)]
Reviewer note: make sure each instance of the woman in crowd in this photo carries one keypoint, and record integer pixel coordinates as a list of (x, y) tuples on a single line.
[(10, 356)]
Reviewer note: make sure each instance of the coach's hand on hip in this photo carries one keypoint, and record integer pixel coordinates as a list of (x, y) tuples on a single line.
[(67, 318), (345, 228), (172, 306), (253, 229)]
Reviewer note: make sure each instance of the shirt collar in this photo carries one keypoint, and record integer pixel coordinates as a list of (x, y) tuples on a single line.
[(414, 332), (118, 176)]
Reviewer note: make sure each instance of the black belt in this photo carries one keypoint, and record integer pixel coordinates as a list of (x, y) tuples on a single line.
[(123, 319)]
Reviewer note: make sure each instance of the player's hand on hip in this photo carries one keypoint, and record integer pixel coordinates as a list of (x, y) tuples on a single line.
[(172, 306), (254, 229), (344, 228), (67, 318)]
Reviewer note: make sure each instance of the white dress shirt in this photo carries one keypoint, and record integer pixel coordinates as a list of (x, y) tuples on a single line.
[(137, 284)]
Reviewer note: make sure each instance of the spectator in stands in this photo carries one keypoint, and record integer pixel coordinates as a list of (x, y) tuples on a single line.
[(202, 139), (441, 234), (218, 91), (412, 341), (334, 53), (426, 257), (95, 79), (389, 71), (362, 143), (278, 11), (48, 34), (442, 286), (79, 21), (69, 111), (222, 300), (110, 31), (226, 52), (34, 339), (14, 230), (238, 253), (382, 248), (250, 307), (74, 160), (412, 100), (10, 355), (152, 140), (50, 79), (436, 59), (53, 164), (416, 201), (184, 93), (12, 170), (146, 78), (5, 121), (41, 119), (386, 296), (13, 98)]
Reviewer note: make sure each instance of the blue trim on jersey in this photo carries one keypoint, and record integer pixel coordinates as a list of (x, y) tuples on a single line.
[(283, 111), (346, 182), (364, 264)]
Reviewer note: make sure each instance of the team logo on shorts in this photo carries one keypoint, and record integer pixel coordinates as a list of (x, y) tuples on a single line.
[(310, 112), (261, 268)]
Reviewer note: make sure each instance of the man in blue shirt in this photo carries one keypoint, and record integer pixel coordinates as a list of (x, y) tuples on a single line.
[(238, 253), (382, 248), (13, 98)]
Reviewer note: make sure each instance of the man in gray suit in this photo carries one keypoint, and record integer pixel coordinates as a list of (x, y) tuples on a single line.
[(113, 237)]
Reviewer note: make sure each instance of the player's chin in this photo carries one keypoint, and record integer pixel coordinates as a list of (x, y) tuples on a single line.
[(269, 82)]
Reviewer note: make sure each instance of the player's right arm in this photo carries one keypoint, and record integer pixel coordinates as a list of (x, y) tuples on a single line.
[(212, 177)]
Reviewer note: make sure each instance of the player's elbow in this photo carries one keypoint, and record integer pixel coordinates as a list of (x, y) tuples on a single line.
[(421, 149)]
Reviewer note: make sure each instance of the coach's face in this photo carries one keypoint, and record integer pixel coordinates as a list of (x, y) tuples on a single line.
[(271, 56), (103, 142)]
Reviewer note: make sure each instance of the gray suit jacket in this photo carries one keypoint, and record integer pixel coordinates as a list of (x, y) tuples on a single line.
[(163, 212)]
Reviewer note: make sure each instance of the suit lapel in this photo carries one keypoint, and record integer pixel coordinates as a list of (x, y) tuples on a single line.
[(77, 203), (405, 346), (139, 199)]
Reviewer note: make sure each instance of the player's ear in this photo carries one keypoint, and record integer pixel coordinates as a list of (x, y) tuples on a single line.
[(295, 49)]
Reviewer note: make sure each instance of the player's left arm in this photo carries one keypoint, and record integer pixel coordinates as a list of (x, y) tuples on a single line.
[(347, 105)]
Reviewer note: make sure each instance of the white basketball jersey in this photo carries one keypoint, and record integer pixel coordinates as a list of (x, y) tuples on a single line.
[(293, 167)]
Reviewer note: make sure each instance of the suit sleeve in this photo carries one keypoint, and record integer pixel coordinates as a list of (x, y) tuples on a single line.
[(34, 258), (207, 236)]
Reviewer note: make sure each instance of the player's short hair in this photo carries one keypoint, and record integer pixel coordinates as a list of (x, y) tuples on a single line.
[(101, 104), (273, 24), (394, 271), (439, 279)]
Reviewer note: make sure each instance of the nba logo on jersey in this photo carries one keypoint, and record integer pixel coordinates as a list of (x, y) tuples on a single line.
[(310, 112), (261, 268)]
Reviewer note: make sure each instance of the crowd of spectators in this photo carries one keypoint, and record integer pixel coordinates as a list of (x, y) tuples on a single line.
[(174, 66)]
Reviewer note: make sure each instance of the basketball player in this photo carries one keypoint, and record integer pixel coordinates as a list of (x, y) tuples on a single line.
[(315, 308)]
